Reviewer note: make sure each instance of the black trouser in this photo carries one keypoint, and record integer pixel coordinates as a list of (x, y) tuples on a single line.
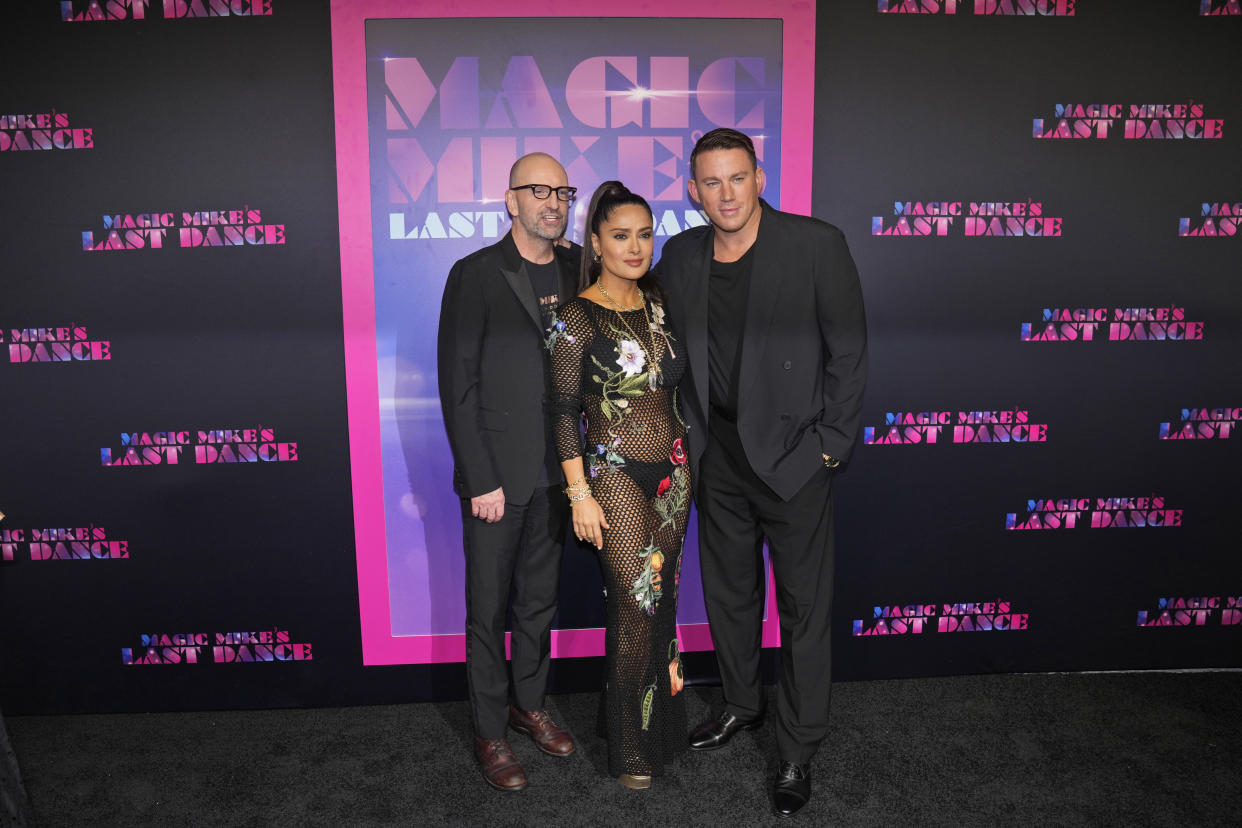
[(736, 513), (522, 550)]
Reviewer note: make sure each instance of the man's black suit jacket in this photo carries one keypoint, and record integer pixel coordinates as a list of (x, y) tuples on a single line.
[(493, 369), (804, 345)]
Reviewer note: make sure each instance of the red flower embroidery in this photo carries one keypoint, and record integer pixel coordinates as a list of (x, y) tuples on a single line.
[(663, 487), (678, 457)]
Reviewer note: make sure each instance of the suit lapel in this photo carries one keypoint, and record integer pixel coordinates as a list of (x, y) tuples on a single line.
[(514, 271), (767, 277), (697, 272), (568, 269)]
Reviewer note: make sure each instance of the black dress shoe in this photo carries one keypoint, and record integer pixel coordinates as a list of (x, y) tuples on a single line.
[(792, 789), (716, 733)]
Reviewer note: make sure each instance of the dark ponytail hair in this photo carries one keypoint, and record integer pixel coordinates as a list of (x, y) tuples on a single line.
[(607, 198)]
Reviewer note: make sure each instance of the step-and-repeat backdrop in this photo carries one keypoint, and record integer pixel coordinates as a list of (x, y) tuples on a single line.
[(228, 224)]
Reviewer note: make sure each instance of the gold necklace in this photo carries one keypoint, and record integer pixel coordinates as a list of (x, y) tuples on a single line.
[(615, 304), (653, 370)]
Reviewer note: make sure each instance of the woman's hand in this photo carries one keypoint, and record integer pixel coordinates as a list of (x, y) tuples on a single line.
[(589, 521)]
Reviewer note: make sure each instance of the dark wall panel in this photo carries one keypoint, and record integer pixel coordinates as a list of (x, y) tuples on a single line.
[(220, 129)]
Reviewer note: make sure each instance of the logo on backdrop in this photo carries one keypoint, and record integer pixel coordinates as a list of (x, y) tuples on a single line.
[(1099, 122), (218, 648), (1000, 426), (1202, 424), (1112, 325), (168, 448), (43, 131), (79, 12), (1198, 611), (1094, 513), (1025, 8), (1216, 218), (88, 543), (919, 619), (68, 344), (967, 218), (1215, 7), (213, 228), (602, 101)]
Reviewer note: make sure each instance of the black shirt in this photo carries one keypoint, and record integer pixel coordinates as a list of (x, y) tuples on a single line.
[(728, 289), (545, 281), (728, 292)]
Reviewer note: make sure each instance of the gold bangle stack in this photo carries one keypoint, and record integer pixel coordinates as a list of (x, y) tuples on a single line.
[(578, 490)]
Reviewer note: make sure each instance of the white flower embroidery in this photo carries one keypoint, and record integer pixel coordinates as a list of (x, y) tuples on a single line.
[(632, 358)]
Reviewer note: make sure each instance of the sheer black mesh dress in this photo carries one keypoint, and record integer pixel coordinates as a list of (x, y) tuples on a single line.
[(636, 465)]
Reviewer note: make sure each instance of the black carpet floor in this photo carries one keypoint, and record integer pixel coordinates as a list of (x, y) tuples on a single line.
[(1156, 749)]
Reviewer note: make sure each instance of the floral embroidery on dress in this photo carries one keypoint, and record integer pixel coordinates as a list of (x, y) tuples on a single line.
[(617, 386), (606, 458), (678, 455), (632, 357), (677, 573), (557, 331), (622, 378), (672, 495), (657, 327), (649, 585), (657, 314), (648, 701), (676, 678)]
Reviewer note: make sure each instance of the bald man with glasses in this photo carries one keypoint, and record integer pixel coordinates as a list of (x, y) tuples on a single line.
[(499, 304)]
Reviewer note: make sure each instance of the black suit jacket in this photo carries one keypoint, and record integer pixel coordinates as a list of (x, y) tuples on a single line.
[(493, 369), (804, 345)]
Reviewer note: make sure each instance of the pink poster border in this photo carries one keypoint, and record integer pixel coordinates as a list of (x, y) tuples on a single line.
[(379, 646)]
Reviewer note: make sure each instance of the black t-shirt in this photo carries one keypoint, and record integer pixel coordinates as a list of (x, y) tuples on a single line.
[(545, 281), (728, 293), (728, 289)]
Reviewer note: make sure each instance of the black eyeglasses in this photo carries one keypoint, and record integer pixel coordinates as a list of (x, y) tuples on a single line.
[(542, 191)]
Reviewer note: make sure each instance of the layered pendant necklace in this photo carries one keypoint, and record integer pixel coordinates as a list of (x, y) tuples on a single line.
[(653, 365)]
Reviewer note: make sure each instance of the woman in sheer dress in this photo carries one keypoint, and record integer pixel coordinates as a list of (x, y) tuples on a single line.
[(615, 360)]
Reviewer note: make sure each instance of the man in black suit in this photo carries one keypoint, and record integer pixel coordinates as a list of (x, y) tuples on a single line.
[(498, 304), (771, 311)]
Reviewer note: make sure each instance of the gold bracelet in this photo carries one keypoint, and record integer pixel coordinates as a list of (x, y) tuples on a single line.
[(576, 482), (581, 495)]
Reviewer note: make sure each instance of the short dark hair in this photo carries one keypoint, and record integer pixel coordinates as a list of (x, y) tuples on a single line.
[(723, 138)]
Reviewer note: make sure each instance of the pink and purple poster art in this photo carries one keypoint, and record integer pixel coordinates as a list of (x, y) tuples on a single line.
[(431, 111)]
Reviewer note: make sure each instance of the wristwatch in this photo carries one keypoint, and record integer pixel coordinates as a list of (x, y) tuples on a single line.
[(830, 461)]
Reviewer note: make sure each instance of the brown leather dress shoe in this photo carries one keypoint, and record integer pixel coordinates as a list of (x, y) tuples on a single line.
[(500, 766), (546, 734)]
